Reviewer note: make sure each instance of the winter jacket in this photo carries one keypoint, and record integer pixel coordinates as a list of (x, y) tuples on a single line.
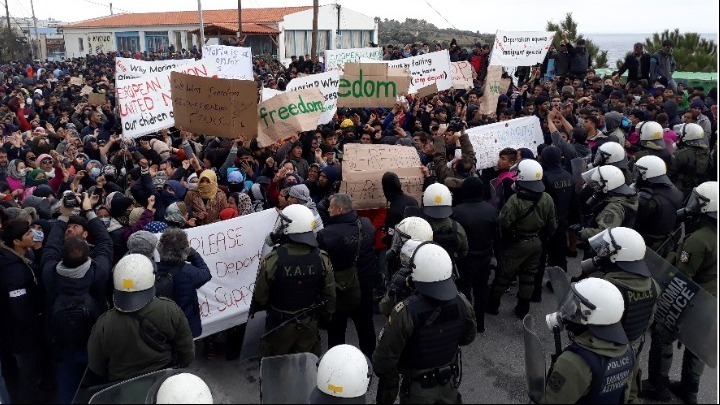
[(339, 239), (206, 213)]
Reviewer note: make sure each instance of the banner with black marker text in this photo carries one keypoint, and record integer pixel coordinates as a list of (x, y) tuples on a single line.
[(520, 48), (489, 140)]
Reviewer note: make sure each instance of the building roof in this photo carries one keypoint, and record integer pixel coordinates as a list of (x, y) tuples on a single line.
[(231, 29), (229, 16)]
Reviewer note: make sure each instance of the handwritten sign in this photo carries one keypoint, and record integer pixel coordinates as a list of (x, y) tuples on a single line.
[(364, 166), (86, 90), (520, 48), (288, 114), (372, 85), (145, 103), (327, 83), (128, 68), (76, 81), (100, 42), (428, 69), (232, 62), (97, 98), (335, 59), (489, 140), (232, 250), (462, 75), (213, 106), (493, 87)]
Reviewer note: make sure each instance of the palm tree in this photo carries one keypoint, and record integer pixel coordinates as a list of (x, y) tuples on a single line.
[(691, 53), (598, 56)]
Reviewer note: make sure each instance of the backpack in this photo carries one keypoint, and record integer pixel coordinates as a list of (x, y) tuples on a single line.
[(165, 283), (72, 320)]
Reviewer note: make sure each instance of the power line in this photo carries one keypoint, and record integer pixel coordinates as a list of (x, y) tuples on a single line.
[(106, 6), (438, 13)]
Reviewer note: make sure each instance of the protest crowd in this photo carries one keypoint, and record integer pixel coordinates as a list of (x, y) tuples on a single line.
[(99, 279)]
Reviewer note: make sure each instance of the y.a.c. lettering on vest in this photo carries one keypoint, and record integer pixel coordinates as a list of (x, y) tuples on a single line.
[(299, 271)]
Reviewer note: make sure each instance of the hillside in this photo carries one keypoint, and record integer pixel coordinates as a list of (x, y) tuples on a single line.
[(412, 31)]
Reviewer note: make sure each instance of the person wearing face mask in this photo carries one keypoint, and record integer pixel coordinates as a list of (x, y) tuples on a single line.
[(236, 182), (16, 175), (176, 216), (207, 201)]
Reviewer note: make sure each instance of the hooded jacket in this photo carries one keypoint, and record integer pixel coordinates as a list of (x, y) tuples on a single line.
[(20, 304), (398, 201)]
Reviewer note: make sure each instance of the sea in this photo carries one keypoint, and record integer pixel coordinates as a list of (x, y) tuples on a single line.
[(618, 45)]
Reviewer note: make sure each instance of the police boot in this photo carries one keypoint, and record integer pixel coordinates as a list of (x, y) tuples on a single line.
[(522, 308), (537, 294), (656, 390), (493, 306), (684, 391)]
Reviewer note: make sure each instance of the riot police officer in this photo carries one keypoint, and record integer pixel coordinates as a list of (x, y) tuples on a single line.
[(692, 163), (652, 142), (612, 153), (596, 366), (294, 277), (613, 204), (658, 202), (343, 376), (696, 258), (184, 388), (527, 219), (422, 336), (409, 229), (619, 260)]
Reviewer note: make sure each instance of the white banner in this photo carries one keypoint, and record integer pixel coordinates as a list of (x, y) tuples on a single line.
[(335, 59), (128, 68), (520, 48), (327, 82), (232, 62), (489, 140), (426, 70), (145, 103), (232, 250)]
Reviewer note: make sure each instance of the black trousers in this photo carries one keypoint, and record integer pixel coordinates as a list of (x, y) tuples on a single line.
[(473, 283), (362, 316), (554, 253)]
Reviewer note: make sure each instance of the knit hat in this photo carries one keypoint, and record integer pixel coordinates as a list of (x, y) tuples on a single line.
[(156, 227), (143, 243), (301, 192), (119, 205), (135, 215), (42, 191), (228, 213)]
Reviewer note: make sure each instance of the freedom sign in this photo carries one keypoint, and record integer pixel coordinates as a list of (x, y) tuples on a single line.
[(426, 70), (335, 59), (232, 62), (145, 104), (520, 48), (128, 68), (489, 140), (327, 82)]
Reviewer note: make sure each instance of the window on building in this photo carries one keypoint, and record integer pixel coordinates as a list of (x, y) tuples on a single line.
[(178, 41), (299, 43), (156, 41), (81, 45), (189, 41), (354, 39), (128, 41)]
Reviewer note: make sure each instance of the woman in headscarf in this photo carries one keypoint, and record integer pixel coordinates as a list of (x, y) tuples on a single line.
[(176, 216), (207, 201), (16, 175), (242, 203), (35, 178)]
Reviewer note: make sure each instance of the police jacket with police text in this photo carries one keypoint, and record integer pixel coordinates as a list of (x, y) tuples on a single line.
[(640, 295), (339, 239)]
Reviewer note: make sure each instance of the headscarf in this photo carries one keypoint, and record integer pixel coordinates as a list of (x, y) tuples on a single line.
[(135, 215), (175, 214), (179, 190), (192, 186), (31, 180), (244, 203), (119, 210), (13, 172), (208, 191)]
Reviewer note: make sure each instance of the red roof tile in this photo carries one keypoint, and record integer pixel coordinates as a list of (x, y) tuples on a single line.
[(229, 16), (231, 29)]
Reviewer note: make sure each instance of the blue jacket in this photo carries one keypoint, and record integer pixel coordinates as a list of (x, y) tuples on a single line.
[(192, 276)]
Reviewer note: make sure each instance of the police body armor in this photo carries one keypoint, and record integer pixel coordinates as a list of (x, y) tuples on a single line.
[(297, 282), (662, 222), (638, 310), (610, 375), (698, 169), (398, 289), (447, 238), (599, 206), (438, 329)]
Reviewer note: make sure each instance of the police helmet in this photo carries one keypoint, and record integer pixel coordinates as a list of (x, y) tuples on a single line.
[(607, 179), (529, 175), (134, 283), (297, 222), (651, 169), (411, 228), (344, 374), (611, 153), (432, 270), (623, 246), (437, 201), (184, 388)]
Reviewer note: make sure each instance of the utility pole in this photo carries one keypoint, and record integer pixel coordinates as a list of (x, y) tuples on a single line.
[(37, 36), (7, 14), (239, 32), (313, 47), (30, 41), (111, 10), (202, 25)]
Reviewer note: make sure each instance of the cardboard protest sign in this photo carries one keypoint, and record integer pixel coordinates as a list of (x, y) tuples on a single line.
[(76, 81), (430, 68), (364, 165), (520, 48), (372, 85), (232, 250), (462, 75), (97, 98), (335, 59), (232, 62), (86, 90), (289, 113), (489, 140), (214, 106), (100, 42), (327, 83), (128, 68), (145, 103), (493, 87)]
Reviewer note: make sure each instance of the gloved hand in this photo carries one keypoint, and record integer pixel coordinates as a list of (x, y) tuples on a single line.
[(576, 228)]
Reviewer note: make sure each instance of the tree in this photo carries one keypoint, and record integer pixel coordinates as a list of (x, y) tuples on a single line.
[(691, 53), (597, 56), (12, 46)]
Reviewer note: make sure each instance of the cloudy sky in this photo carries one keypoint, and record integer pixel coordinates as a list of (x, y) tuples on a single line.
[(609, 16)]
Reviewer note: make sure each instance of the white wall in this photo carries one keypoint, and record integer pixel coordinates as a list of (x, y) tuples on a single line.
[(72, 47)]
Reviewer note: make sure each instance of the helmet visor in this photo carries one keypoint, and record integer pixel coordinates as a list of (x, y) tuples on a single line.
[(696, 202), (602, 247), (571, 309), (398, 240), (588, 178), (600, 158)]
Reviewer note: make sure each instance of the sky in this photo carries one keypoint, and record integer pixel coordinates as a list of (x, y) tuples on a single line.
[(608, 16)]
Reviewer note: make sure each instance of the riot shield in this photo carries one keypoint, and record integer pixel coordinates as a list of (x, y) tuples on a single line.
[(138, 390), (288, 379), (253, 335), (497, 193), (685, 308), (559, 281), (578, 166), (534, 361)]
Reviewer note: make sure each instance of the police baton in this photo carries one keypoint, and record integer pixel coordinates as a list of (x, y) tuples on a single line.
[(302, 314)]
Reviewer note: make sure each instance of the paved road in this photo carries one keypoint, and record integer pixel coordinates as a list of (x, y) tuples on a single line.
[(493, 364)]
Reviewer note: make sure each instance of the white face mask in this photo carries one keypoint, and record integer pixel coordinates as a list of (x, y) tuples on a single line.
[(192, 186), (106, 221)]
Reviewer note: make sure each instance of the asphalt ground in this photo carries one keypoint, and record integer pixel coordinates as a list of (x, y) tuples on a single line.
[(493, 365)]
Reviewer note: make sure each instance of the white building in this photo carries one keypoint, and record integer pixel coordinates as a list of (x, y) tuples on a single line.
[(283, 32)]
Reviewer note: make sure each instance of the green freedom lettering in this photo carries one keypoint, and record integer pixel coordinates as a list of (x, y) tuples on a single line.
[(286, 112), (368, 89)]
